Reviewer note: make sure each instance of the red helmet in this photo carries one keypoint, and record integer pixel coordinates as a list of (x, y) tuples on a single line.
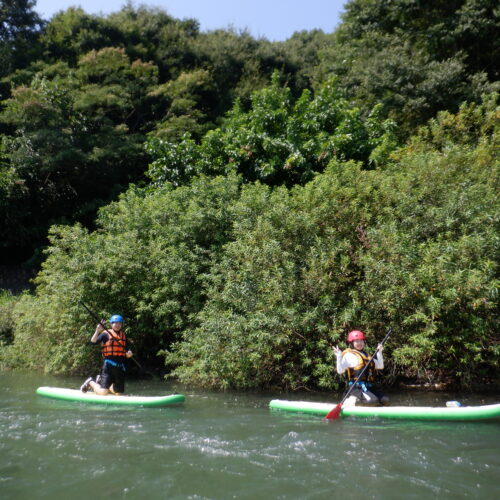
[(355, 335)]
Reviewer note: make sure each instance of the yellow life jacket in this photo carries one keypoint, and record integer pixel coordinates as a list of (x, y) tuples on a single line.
[(363, 359)]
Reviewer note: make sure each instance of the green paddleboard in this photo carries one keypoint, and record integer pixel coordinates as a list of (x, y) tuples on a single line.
[(90, 397), (460, 413)]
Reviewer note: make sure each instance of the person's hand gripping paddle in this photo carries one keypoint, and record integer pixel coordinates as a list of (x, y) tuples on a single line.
[(334, 413)]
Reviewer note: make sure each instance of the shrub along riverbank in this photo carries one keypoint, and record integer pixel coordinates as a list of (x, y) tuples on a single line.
[(242, 284)]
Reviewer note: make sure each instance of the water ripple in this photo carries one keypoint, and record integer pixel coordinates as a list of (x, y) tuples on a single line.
[(220, 446)]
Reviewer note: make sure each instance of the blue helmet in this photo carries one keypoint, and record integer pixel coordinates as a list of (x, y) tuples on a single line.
[(116, 318)]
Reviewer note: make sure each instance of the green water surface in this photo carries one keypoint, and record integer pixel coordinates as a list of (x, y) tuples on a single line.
[(230, 445)]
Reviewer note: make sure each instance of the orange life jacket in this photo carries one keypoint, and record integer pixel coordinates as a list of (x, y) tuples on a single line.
[(363, 358), (116, 345)]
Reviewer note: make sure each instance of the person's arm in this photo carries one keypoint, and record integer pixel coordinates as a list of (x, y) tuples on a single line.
[(344, 361), (98, 331), (379, 358), (128, 353)]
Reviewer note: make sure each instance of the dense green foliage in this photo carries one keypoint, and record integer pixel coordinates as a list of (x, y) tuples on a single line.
[(413, 246), (7, 302), (416, 58), (80, 95), (75, 116), (53, 119), (19, 30), (243, 285), (279, 141), (268, 197), (148, 256)]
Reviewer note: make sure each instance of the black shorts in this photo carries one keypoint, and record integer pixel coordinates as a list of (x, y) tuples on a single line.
[(112, 375)]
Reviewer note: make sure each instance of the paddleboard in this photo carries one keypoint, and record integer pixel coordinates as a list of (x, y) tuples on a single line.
[(461, 413), (91, 397)]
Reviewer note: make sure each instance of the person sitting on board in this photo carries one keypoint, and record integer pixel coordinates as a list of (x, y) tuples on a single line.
[(115, 351), (352, 360)]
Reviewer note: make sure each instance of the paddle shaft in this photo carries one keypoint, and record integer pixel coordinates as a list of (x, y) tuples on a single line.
[(353, 385), (94, 316)]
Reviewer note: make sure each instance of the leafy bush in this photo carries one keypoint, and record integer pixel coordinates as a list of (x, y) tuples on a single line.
[(413, 246), (278, 141), (145, 261), (280, 295), (243, 285)]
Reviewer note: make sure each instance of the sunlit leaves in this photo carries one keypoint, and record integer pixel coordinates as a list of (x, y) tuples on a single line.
[(280, 140)]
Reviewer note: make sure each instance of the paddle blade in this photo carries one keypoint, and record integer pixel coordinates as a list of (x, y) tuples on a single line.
[(334, 413)]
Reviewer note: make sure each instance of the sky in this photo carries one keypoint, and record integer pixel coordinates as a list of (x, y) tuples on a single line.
[(275, 20)]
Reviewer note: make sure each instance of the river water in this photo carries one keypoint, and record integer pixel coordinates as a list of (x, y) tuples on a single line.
[(230, 445)]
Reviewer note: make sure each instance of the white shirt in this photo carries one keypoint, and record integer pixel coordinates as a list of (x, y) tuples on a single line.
[(350, 360)]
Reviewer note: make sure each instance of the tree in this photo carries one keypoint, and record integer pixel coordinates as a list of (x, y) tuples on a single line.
[(184, 106), (445, 28), (280, 140), (20, 27), (73, 32), (413, 58), (151, 34), (78, 142), (413, 245)]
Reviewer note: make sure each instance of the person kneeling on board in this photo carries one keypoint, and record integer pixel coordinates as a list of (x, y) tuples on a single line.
[(352, 360), (115, 351)]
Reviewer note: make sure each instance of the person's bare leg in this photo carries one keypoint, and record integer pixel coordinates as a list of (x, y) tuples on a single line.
[(98, 389)]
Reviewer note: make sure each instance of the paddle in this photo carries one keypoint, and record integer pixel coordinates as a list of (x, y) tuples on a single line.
[(334, 413), (94, 316)]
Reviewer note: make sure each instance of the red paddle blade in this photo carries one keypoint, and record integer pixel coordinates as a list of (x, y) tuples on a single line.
[(334, 413)]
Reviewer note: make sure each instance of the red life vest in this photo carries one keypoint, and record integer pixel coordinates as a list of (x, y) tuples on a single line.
[(116, 345), (363, 358)]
